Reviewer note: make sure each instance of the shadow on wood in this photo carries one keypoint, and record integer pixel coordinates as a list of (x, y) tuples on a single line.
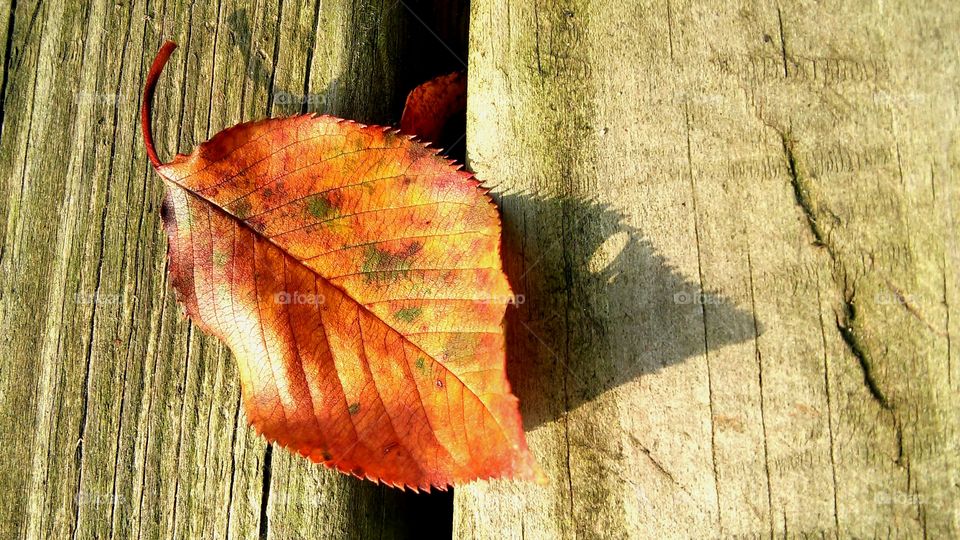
[(600, 325)]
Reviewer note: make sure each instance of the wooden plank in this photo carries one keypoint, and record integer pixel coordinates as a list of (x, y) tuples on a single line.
[(796, 162), (118, 418), (734, 227)]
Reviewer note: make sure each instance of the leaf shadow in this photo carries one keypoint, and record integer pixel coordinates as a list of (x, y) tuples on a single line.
[(596, 305)]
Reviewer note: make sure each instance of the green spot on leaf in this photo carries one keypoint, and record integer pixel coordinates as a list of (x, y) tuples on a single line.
[(320, 207), (421, 364), (353, 408), (407, 314), (242, 209), (382, 265), (220, 258)]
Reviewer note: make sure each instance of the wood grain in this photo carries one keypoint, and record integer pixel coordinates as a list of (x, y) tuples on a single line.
[(119, 419), (732, 229), (735, 230)]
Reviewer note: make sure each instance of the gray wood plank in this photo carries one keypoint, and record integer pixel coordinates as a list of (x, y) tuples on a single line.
[(734, 226)]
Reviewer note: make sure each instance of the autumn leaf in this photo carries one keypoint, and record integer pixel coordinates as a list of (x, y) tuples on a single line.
[(430, 106), (355, 274)]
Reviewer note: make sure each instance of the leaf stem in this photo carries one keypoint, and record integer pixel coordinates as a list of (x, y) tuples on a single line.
[(146, 104)]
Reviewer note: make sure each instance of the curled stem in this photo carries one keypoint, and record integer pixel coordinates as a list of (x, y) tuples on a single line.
[(146, 104)]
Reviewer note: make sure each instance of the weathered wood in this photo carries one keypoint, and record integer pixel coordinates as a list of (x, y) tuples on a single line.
[(795, 163), (118, 418)]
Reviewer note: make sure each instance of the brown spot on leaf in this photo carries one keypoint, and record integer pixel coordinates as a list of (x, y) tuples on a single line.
[(412, 249)]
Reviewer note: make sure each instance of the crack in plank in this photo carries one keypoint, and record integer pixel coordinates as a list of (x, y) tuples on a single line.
[(801, 193), (851, 338), (763, 416), (703, 318), (846, 317), (264, 527), (783, 43), (826, 387)]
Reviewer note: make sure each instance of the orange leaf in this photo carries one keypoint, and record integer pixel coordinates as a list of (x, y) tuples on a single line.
[(430, 105), (356, 276)]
